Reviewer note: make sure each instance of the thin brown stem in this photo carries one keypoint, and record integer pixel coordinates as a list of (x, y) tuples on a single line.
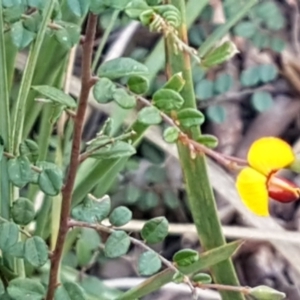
[(86, 81), (141, 244)]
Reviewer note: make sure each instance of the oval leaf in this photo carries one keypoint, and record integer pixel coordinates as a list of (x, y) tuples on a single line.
[(115, 150), (19, 171), (262, 101), (103, 90), (175, 83), (138, 84), (155, 230), (50, 181), (22, 211), (189, 117), (25, 289), (92, 210), (171, 134), (185, 257), (149, 263), (117, 244), (208, 140), (79, 7), (166, 99), (55, 95), (9, 234), (36, 251), (216, 113), (123, 99), (120, 216), (21, 37), (202, 277), (69, 291), (149, 116), (120, 67)]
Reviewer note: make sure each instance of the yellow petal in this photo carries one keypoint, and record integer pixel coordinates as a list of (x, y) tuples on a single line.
[(270, 154), (251, 186)]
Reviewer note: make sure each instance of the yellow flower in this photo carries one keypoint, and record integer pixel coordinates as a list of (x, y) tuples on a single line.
[(258, 182)]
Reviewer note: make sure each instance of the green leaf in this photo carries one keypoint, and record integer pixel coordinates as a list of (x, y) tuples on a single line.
[(189, 117), (185, 257), (17, 250), (171, 134), (277, 44), (204, 89), (132, 194), (69, 291), (171, 199), (30, 149), (155, 174), (148, 263), (138, 84), (202, 277), (175, 83), (79, 7), (149, 116), (19, 171), (121, 67), (166, 100), (33, 22), (21, 37), (98, 6), (123, 99), (262, 101), (118, 4), (9, 234), (92, 210), (11, 3), (148, 201), (135, 8), (250, 76), (155, 230), (83, 253), (39, 4), (216, 113), (115, 150), (266, 293), (36, 251), (245, 29), (223, 83), (117, 244), (261, 40), (267, 72), (25, 289), (208, 140), (219, 55), (103, 90), (69, 35), (178, 278), (55, 95), (91, 238), (120, 216), (50, 181), (22, 211)]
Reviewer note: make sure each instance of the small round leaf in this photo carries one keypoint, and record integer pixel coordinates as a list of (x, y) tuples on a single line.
[(189, 117), (185, 257), (138, 84), (123, 99), (36, 251), (149, 263), (216, 113), (19, 171), (69, 291), (208, 140), (22, 211), (171, 134), (167, 100), (149, 116), (117, 244), (120, 216), (262, 101), (50, 181), (202, 277), (9, 234), (103, 90), (155, 230), (25, 289)]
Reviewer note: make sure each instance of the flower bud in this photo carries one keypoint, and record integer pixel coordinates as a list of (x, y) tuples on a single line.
[(266, 293)]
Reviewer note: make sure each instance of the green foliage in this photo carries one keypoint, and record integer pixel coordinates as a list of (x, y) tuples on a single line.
[(149, 263), (189, 117), (208, 140), (216, 113), (155, 230), (69, 290), (25, 289), (138, 84), (266, 293), (185, 257), (36, 251), (120, 216), (19, 171), (92, 210), (262, 101), (167, 100), (149, 116), (117, 244), (104, 90), (50, 180), (22, 211), (9, 233), (123, 99), (171, 134), (202, 278)]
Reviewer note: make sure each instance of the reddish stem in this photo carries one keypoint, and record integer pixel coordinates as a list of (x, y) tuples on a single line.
[(87, 82)]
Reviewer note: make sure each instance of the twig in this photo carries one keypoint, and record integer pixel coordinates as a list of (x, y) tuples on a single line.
[(141, 244), (222, 287), (74, 162)]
